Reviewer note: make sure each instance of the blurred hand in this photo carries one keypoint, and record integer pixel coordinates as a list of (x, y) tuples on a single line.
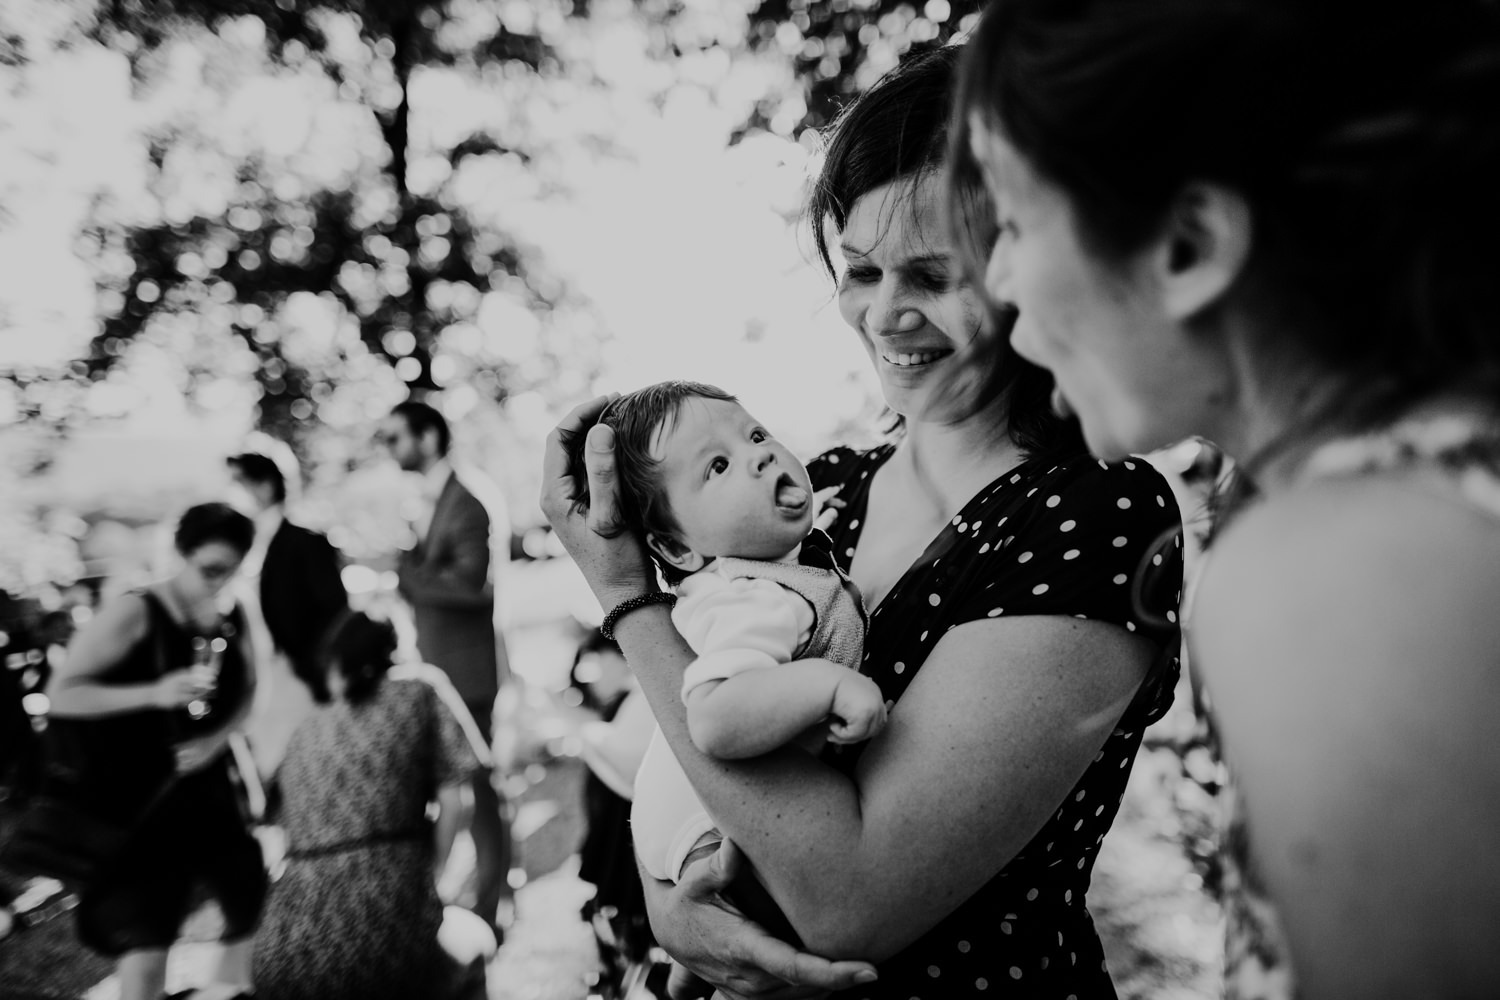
[(707, 934), (179, 687), (611, 559), (858, 709)]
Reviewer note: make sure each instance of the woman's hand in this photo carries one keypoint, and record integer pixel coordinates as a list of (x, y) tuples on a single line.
[(612, 559), (199, 752), (705, 932), (180, 687)]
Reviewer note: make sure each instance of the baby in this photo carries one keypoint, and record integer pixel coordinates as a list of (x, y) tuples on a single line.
[(727, 513)]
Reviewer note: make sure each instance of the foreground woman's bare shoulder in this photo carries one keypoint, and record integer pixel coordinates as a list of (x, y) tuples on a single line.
[(1347, 635)]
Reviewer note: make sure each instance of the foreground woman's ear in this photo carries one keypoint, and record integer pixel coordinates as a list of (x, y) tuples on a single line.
[(1203, 249)]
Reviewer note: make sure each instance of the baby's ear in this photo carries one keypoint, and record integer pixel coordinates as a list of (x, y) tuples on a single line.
[(674, 552)]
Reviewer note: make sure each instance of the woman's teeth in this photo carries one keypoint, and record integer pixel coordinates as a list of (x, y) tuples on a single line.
[(905, 360)]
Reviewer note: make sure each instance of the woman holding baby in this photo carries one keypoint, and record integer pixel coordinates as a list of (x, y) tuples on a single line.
[(953, 850)]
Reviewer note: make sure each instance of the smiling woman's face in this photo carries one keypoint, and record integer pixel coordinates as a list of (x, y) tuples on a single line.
[(902, 290)]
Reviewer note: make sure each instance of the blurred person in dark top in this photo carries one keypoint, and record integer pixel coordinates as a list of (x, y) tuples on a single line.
[(293, 577), (136, 708)]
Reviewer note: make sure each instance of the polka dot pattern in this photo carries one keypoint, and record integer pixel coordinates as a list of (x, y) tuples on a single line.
[(1070, 534)]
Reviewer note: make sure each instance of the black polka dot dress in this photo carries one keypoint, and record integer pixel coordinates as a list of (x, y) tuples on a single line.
[(1070, 537)]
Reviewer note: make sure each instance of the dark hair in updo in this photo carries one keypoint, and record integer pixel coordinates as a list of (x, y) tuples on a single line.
[(362, 649), (898, 130), (1364, 135), (213, 522)]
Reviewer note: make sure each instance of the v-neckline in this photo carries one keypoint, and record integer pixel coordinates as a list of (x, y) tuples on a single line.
[(858, 511)]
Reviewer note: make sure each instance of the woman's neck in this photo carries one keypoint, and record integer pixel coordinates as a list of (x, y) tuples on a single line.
[(953, 461), (1279, 406), (202, 615)]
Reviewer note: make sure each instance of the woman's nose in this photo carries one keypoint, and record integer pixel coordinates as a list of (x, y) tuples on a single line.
[(997, 272), (890, 311)]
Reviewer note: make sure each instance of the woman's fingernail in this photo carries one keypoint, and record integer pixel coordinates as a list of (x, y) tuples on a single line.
[(602, 437), (867, 976)]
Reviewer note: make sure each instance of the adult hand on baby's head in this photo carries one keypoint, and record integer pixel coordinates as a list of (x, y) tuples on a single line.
[(698, 925), (612, 560)]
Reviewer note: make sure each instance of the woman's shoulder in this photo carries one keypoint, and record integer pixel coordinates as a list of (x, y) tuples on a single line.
[(1388, 530), (1122, 484), (1374, 563), (128, 616), (416, 677), (417, 680), (1080, 496)]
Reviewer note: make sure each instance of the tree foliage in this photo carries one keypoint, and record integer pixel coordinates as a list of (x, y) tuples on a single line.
[(403, 269), (839, 47)]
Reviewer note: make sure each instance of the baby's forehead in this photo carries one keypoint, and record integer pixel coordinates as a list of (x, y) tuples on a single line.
[(694, 419)]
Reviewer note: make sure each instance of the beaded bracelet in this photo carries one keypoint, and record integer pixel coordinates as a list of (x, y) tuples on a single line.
[(607, 627)]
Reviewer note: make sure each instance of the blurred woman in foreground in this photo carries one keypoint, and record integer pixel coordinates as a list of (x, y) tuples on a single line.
[(1271, 224)]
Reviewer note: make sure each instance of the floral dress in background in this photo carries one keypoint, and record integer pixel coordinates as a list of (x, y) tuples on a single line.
[(356, 912)]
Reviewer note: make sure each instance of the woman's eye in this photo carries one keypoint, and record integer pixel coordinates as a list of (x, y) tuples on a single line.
[(861, 276), (932, 281), (718, 466)]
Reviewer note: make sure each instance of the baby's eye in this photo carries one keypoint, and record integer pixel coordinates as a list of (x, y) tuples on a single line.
[(758, 435), (718, 466)]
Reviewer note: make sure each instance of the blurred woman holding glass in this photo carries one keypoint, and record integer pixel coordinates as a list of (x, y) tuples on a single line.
[(143, 707)]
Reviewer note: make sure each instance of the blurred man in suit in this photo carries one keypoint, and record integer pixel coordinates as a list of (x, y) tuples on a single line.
[(294, 575), (448, 577)]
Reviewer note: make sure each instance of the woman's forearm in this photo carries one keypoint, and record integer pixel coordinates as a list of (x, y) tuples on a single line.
[(783, 809), (1002, 721), (81, 698), (453, 810)]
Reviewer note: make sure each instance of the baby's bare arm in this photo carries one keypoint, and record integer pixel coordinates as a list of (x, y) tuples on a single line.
[(756, 711)]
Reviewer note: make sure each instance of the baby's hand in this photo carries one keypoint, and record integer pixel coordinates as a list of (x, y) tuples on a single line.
[(858, 709), (828, 505)]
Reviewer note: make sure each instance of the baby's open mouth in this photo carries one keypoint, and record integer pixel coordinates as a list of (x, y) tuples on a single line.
[(790, 497)]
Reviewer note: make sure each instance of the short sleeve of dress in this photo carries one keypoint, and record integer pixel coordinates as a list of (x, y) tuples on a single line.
[(1079, 543), (457, 749), (832, 467)]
